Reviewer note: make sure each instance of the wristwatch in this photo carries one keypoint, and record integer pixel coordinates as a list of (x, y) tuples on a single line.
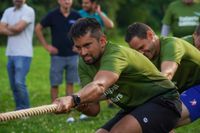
[(76, 100)]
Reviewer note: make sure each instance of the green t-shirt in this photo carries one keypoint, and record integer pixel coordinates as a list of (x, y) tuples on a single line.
[(139, 79), (187, 57), (182, 18)]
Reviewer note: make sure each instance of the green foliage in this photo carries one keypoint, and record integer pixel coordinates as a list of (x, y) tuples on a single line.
[(148, 11), (122, 12)]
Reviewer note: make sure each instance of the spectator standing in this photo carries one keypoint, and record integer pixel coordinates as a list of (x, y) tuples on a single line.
[(18, 24), (181, 18), (63, 59)]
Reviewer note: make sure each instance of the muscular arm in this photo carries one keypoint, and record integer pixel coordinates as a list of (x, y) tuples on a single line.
[(94, 90), (91, 93), (168, 68)]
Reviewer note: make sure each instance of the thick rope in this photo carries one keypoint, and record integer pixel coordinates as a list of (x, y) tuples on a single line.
[(28, 112)]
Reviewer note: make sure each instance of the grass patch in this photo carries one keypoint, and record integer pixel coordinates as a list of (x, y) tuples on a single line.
[(39, 90)]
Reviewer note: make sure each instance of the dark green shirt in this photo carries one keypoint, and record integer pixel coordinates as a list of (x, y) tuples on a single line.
[(139, 80), (182, 18), (187, 57)]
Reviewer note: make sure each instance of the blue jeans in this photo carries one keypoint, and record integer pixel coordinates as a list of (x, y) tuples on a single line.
[(18, 68)]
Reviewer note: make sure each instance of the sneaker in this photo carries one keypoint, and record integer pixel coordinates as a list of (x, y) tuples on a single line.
[(83, 117), (70, 120)]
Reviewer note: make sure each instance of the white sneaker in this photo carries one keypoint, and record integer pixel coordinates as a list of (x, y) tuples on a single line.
[(83, 117), (70, 120)]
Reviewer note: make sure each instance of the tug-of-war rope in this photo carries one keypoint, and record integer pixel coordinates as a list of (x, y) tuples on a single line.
[(28, 112)]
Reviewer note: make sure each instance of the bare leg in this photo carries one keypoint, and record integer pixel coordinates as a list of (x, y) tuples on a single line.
[(101, 130), (69, 89), (172, 131), (123, 126), (185, 117), (54, 93)]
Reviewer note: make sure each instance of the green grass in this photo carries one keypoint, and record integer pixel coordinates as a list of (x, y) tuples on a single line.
[(39, 90)]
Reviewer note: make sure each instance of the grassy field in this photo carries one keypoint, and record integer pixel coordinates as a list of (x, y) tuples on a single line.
[(38, 84)]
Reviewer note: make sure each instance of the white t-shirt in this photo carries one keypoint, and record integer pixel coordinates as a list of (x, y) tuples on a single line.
[(20, 44)]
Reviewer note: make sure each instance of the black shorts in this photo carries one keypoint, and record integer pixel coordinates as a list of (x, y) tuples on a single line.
[(156, 116)]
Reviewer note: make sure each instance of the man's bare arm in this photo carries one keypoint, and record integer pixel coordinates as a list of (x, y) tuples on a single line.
[(41, 38), (94, 90), (168, 68), (91, 93), (18, 27), (10, 30), (4, 29)]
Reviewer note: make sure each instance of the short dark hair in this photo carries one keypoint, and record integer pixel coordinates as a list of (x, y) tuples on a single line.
[(137, 29), (197, 30), (85, 25)]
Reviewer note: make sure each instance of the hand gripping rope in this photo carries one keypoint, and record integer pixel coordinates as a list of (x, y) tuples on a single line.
[(28, 112)]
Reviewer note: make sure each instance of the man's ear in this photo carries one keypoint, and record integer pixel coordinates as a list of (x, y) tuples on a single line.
[(150, 35), (103, 40)]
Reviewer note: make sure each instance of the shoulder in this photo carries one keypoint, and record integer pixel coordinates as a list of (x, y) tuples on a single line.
[(117, 51), (168, 43), (167, 40), (173, 45), (83, 13), (10, 9), (175, 3), (75, 12), (28, 8), (53, 12)]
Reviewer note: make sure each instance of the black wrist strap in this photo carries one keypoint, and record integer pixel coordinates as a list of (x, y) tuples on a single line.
[(76, 100)]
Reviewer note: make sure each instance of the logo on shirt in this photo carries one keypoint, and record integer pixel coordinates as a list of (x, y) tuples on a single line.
[(72, 21), (117, 98), (145, 120), (193, 102), (188, 21), (111, 91)]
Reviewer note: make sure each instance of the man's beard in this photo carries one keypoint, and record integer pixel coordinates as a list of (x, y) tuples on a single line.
[(94, 61)]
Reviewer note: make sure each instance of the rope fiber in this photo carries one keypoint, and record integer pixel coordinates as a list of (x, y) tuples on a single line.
[(28, 112)]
